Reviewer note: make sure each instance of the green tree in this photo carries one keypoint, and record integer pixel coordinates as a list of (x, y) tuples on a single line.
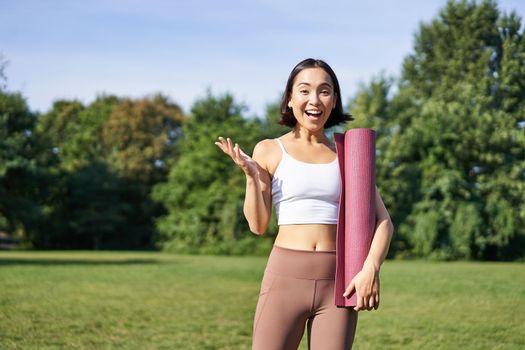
[(204, 193), (74, 131), (269, 125), (71, 135), (139, 137), (20, 210), (139, 140), (96, 210), (117, 149), (372, 107), (451, 138)]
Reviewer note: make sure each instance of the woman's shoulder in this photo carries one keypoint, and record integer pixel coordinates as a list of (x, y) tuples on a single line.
[(267, 153), (265, 148)]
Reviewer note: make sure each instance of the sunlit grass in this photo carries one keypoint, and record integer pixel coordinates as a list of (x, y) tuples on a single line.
[(115, 300)]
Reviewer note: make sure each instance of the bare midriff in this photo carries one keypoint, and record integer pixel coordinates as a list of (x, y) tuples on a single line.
[(315, 237)]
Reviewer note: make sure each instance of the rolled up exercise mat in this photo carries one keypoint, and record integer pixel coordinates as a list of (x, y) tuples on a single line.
[(356, 222)]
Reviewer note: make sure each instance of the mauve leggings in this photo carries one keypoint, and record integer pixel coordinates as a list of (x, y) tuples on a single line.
[(297, 290)]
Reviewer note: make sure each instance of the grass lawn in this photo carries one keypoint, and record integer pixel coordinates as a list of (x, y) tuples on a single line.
[(121, 300)]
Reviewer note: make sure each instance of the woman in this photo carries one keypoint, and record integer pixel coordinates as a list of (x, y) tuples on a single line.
[(300, 172)]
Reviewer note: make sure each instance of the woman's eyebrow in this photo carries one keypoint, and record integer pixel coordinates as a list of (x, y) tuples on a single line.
[(308, 84)]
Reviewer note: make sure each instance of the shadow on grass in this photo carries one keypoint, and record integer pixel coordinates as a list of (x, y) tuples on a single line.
[(50, 261)]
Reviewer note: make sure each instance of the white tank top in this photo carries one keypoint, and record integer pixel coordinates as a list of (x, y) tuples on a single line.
[(305, 193)]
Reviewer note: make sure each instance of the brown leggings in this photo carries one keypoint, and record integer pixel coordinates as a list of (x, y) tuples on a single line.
[(298, 288)]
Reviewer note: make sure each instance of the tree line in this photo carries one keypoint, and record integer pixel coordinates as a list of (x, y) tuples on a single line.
[(122, 173)]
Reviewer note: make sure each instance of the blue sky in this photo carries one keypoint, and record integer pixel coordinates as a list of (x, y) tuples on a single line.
[(78, 49)]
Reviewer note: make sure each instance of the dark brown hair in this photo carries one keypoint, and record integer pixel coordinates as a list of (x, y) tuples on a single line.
[(336, 117)]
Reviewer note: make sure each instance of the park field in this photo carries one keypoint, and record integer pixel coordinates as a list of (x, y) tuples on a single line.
[(151, 300)]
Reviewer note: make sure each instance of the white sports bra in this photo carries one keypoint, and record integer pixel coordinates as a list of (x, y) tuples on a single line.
[(306, 193)]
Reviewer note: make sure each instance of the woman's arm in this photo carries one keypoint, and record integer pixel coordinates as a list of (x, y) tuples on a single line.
[(366, 282), (257, 201), (382, 235)]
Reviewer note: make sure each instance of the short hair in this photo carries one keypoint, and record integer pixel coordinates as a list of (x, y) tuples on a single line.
[(337, 116)]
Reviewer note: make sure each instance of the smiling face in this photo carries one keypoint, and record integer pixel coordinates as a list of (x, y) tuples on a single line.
[(312, 98)]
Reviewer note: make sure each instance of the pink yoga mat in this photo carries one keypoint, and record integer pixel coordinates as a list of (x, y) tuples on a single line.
[(356, 223)]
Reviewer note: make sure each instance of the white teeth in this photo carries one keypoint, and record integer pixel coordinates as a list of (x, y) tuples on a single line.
[(314, 112)]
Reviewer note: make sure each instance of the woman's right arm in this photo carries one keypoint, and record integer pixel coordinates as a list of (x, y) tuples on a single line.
[(258, 198), (257, 201)]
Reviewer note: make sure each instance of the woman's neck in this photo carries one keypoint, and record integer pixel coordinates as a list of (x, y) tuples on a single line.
[(308, 136)]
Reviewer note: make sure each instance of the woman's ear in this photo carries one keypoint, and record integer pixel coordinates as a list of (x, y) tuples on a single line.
[(335, 99)]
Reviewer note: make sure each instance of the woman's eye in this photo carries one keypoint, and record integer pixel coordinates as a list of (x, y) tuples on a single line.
[(325, 92), (304, 92)]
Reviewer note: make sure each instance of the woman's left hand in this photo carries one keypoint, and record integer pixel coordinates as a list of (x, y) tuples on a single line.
[(366, 285)]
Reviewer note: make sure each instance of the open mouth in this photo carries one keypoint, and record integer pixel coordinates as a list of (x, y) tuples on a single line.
[(313, 114)]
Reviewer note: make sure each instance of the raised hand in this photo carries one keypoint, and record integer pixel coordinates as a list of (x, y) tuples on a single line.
[(243, 161)]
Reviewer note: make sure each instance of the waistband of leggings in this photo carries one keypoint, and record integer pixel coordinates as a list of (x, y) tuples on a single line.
[(303, 264)]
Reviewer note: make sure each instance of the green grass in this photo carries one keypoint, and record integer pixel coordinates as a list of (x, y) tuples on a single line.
[(113, 300)]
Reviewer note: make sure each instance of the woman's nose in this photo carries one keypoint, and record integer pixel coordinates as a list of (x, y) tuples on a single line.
[(314, 99)]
